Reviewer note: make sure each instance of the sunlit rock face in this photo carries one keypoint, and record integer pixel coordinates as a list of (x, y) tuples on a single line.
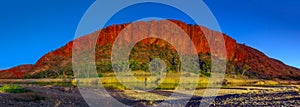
[(237, 55)]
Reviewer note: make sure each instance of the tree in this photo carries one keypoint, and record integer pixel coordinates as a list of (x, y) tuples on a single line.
[(55, 67), (134, 65), (145, 66), (245, 69)]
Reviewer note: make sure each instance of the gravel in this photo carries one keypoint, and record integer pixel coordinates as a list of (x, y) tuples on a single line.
[(56, 96)]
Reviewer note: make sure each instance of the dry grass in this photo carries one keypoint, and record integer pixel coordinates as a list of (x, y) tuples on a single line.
[(169, 81)]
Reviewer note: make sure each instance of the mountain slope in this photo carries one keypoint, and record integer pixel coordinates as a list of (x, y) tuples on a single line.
[(242, 60)]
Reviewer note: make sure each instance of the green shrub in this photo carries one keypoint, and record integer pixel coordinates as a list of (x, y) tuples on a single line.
[(13, 88), (206, 74), (100, 75)]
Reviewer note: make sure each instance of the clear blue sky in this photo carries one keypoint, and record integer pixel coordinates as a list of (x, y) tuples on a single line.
[(31, 28)]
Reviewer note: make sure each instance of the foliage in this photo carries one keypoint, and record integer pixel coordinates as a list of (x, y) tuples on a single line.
[(103, 67), (205, 64), (139, 58), (90, 76), (245, 68), (13, 88), (52, 74), (206, 74), (100, 75)]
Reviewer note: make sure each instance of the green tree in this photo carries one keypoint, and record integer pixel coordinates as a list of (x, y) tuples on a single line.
[(245, 69)]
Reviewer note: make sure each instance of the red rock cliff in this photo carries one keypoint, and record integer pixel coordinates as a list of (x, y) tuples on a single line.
[(238, 54)]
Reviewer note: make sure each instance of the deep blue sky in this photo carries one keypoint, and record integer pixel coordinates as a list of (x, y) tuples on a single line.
[(31, 28)]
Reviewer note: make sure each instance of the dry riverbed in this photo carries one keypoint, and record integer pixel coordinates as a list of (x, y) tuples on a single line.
[(69, 96), (44, 96)]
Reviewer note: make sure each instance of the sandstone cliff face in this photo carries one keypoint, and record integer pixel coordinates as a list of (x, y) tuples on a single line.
[(263, 66), (16, 72), (260, 65)]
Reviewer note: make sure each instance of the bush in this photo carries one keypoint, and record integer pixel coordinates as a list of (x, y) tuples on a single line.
[(100, 75), (12, 88), (206, 74), (90, 75)]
